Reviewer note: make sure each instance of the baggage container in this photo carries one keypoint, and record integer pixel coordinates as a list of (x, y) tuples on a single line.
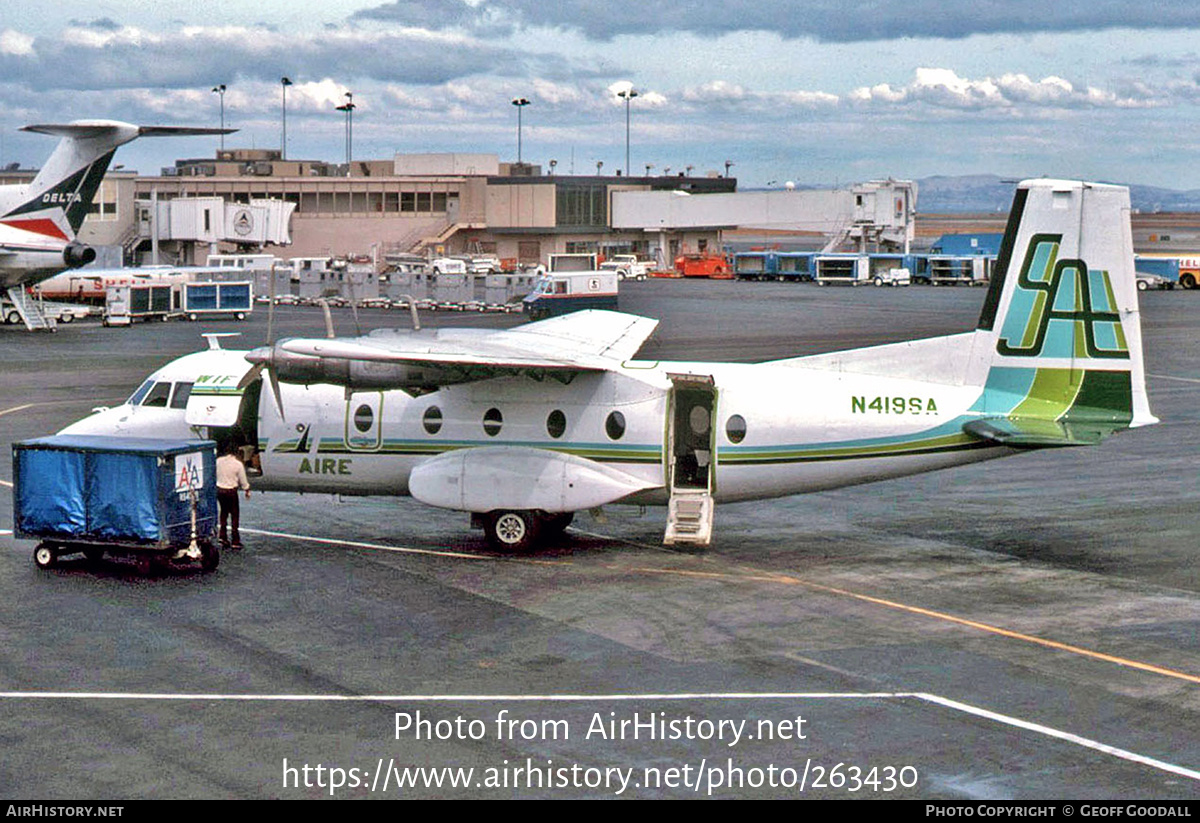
[(224, 299), (152, 499)]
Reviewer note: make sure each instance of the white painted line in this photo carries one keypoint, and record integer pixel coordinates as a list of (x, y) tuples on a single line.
[(17, 409), (938, 700), (1061, 735), (6, 483), (355, 544), (1170, 377), (456, 698), (5, 532)]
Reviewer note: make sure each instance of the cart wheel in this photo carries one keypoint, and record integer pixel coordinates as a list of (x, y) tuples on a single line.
[(44, 556), (210, 556), (93, 555)]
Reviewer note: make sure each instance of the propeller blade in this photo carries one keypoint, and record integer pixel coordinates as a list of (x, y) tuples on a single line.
[(252, 375), (275, 390), (328, 319)]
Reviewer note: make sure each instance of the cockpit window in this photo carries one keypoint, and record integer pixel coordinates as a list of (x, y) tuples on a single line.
[(158, 395), (182, 392), (137, 396)]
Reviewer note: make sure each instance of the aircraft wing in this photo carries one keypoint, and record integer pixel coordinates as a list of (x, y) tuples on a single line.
[(1038, 433), (561, 347)]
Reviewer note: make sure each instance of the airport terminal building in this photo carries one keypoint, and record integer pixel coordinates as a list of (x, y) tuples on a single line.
[(427, 204)]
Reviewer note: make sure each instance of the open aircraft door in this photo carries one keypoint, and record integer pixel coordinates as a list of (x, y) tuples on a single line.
[(691, 453)]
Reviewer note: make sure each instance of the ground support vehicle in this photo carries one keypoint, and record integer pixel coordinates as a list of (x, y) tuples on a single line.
[(150, 499), (232, 299), (139, 301), (715, 266), (892, 277)]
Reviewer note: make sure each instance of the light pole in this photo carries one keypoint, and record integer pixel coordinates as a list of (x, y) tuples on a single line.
[(648, 167), (728, 164), (553, 163), (520, 103), (348, 108), (628, 94), (220, 90), (284, 82)]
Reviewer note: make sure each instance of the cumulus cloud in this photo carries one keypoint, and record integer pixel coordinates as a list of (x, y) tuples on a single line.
[(15, 43), (945, 88), (129, 57), (642, 98), (715, 91), (828, 20)]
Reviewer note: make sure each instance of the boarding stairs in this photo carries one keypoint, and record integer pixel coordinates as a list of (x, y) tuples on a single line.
[(30, 312), (689, 518)]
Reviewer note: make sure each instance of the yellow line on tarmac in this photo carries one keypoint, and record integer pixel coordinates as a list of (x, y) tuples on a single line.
[(778, 579), (789, 580)]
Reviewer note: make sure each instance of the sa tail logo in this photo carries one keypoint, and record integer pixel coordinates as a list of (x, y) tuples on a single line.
[(1060, 308)]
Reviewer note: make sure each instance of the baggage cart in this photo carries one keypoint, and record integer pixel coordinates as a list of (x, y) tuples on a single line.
[(150, 499)]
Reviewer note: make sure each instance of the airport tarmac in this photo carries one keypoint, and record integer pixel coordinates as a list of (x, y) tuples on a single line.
[(1021, 628)]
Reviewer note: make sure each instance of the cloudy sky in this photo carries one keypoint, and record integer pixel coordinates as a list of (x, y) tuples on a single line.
[(816, 91)]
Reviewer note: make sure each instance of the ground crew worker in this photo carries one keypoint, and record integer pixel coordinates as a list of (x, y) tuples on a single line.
[(231, 476)]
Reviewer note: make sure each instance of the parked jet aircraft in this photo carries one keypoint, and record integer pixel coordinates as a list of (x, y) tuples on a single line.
[(524, 427), (39, 220)]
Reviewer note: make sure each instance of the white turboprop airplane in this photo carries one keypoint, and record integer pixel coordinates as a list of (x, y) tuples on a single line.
[(39, 220), (524, 427)]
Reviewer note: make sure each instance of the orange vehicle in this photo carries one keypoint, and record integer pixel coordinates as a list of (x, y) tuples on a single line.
[(714, 266)]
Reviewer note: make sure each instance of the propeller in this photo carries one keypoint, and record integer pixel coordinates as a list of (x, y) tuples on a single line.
[(264, 356)]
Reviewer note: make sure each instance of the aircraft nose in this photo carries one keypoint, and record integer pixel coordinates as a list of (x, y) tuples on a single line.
[(107, 422)]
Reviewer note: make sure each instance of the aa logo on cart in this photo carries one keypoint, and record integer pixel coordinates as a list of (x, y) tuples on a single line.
[(1061, 308), (189, 472)]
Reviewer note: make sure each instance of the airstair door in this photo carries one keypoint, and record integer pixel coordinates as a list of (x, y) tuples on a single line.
[(691, 448)]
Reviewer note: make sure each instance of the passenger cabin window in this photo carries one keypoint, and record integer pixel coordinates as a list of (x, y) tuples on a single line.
[(735, 428), (364, 418), (432, 420), (614, 425), (556, 424), (158, 395), (492, 421)]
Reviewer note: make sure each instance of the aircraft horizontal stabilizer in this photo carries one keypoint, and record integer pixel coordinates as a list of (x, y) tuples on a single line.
[(84, 129), (1038, 433), (519, 478)]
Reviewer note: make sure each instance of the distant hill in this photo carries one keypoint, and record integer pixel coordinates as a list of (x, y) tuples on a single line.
[(991, 193)]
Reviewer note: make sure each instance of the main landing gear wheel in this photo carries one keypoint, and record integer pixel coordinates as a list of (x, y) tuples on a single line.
[(512, 531), (44, 556)]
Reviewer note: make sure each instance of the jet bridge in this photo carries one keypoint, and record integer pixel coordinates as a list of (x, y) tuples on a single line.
[(864, 217)]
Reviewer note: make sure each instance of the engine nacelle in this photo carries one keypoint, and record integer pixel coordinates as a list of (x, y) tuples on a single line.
[(77, 254)]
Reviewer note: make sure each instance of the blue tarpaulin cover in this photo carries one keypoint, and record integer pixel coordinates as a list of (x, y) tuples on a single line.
[(111, 489), (121, 494), (51, 497)]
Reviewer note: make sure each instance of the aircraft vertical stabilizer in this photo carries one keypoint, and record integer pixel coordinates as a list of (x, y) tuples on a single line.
[(1060, 332)]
